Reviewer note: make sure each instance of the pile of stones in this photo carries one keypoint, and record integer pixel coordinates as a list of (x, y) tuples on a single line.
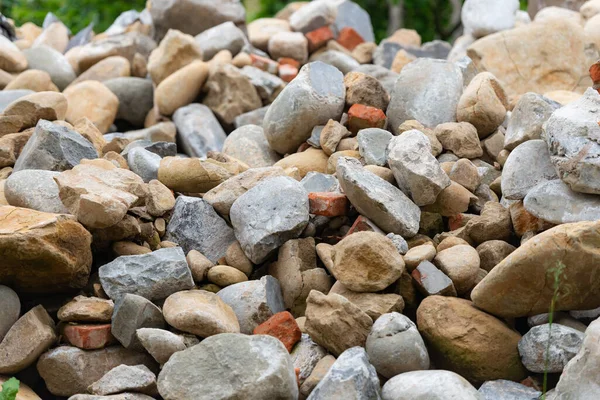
[(196, 208)]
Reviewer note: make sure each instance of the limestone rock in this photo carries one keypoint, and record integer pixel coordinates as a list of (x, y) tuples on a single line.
[(484, 17), (135, 97), (527, 118), (372, 145), (225, 36), (198, 130), (47, 59), (460, 138), (538, 357), (34, 189), (430, 385), (131, 313), (86, 309), (123, 378), (161, 344), (249, 144)]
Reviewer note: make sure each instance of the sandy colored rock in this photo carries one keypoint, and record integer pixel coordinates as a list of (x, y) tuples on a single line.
[(199, 265), (483, 104), (36, 80), (373, 304), (93, 100), (109, 68), (176, 50), (309, 160), (86, 309), (224, 275), (401, 59), (453, 200), (191, 175), (461, 264), (180, 88), (365, 89), (460, 138), (418, 254), (88, 130), (28, 110), (11, 58)]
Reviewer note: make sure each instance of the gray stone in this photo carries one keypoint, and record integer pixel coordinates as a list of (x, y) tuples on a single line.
[(144, 163), (399, 242), (153, 275), (431, 281), (11, 306), (249, 144), (195, 225), (507, 390), (124, 20), (378, 200), (555, 202), (429, 385), (437, 49), (68, 370), (163, 149), (8, 96), (526, 120), (312, 16), (254, 117), (428, 91), (253, 302), (395, 346), (372, 145), (123, 378), (527, 166), (268, 215), (225, 36), (120, 396), (572, 134), (47, 59), (35, 189), (198, 130), (319, 182), (350, 14), (386, 77), (466, 65), (484, 17), (131, 313), (350, 377), (136, 98), (289, 122), (416, 170), (267, 85), (159, 343), (305, 355), (385, 53), (230, 366), (342, 61), (315, 136), (54, 147), (564, 345)]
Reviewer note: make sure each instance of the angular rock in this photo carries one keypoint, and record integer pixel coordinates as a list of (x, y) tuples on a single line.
[(460, 138), (268, 86), (430, 385), (26, 111), (373, 304), (143, 163), (176, 50), (131, 313), (537, 356), (373, 144), (507, 390), (527, 118), (431, 281), (306, 355), (159, 343), (198, 130), (86, 309), (35, 189), (124, 378)]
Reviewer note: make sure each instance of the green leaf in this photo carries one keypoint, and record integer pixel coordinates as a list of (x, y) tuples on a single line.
[(10, 388)]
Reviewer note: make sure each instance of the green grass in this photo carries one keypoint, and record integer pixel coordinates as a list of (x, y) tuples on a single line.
[(10, 388)]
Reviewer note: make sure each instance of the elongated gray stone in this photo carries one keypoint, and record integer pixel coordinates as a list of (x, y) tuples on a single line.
[(35, 189), (144, 163), (47, 59), (136, 98), (342, 61), (350, 14), (198, 130), (254, 117), (319, 182), (153, 275), (564, 345), (123, 378), (159, 343), (267, 85), (305, 355)]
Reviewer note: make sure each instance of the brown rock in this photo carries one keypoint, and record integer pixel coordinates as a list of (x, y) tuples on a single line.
[(406, 37), (309, 160), (33, 79), (92, 100), (109, 68), (262, 29), (224, 275), (418, 254), (331, 135), (55, 35), (363, 53), (384, 173), (176, 50), (333, 159), (492, 252), (494, 223), (494, 144), (139, 66), (11, 146), (191, 175), (460, 138), (199, 265), (236, 258), (88, 130), (28, 110), (524, 222), (99, 49), (461, 264), (86, 309), (180, 88), (11, 58), (453, 200), (451, 241), (124, 248), (465, 173), (365, 89), (373, 304), (160, 199)]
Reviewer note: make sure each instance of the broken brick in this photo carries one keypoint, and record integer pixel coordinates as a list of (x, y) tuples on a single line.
[(318, 38), (328, 204), (88, 337), (282, 326), (349, 38), (363, 117)]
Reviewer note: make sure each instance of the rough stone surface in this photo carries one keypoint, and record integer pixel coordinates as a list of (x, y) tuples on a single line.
[(249, 144), (198, 130), (161, 344), (34, 189), (131, 313), (564, 345), (373, 144), (527, 119), (9, 301), (507, 390), (484, 17), (124, 378), (86, 309)]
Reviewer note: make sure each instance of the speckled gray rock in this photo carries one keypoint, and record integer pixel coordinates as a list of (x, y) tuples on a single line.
[(35, 189), (267, 85), (416, 170), (484, 17), (11, 309), (342, 61), (564, 345), (555, 202), (428, 91), (47, 59), (288, 122), (131, 313), (507, 390), (144, 163), (225, 36), (230, 366), (528, 116), (527, 166), (429, 385), (253, 302), (195, 225), (572, 133), (8, 96), (249, 144), (395, 346), (123, 378), (136, 98), (386, 77), (372, 145), (54, 148), (159, 343), (268, 215), (153, 275), (399, 242), (350, 377), (377, 199), (198, 130), (319, 182), (254, 117), (305, 355)]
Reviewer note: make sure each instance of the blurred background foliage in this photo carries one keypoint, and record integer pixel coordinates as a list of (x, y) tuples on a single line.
[(433, 19)]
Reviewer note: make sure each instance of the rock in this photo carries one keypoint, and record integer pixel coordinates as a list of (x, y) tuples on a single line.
[(501, 389), (377, 199), (494, 223), (453, 200), (109, 68), (335, 323), (192, 175), (317, 375), (124, 378), (465, 173), (198, 130), (135, 97), (430, 385), (317, 182), (11, 58), (28, 110), (350, 376), (268, 86), (43, 252), (144, 163), (230, 365), (492, 252), (310, 160), (253, 302), (34, 189), (416, 170), (200, 312), (154, 275), (26, 340), (431, 281), (386, 77), (12, 305), (176, 50), (372, 145), (280, 195), (24, 393), (262, 29), (68, 370), (373, 304), (527, 118), (131, 313), (88, 130), (570, 133), (124, 45), (93, 100), (460, 138), (195, 225), (534, 66), (321, 87), (8, 96), (181, 87), (363, 261), (418, 254), (461, 264), (199, 265), (537, 356), (45, 58), (331, 135), (224, 275), (120, 396), (483, 104), (527, 166), (225, 36), (486, 352), (159, 343), (418, 93), (86, 309), (288, 44), (249, 144), (312, 16), (484, 17), (36, 80), (305, 356), (365, 89)]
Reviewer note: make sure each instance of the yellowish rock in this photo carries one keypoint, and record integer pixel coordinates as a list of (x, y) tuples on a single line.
[(224, 275), (191, 175), (28, 110), (33, 79), (180, 88), (176, 50), (309, 160), (92, 100), (109, 68)]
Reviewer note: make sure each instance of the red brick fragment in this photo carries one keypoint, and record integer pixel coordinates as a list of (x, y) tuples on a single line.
[(287, 72), (88, 337), (318, 38), (329, 204), (264, 63), (288, 61), (282, 326), (349, 38), (362, 117), (362, 224)]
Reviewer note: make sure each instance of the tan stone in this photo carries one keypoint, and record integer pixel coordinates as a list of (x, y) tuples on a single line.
[(436, 146), (29, 31), (418, 254), (335, 323), (453, 200), (176, 50), (461, 264), (160, 199), (125, 248), (116, 159), (494, 223), (262, 29), (28, 110), (92, 100), (33, 79), (109, 68), (406, 37), (333, 159), (5, 78), (309, 160), (88, 130), (451, 241), (11, 146), (241, 60), (460, 138), (160, 132), (86, 309), (331, 135), (363, 53), (56, 36), (11, 57), (384, 173), (563, 97), (401, 59), (224, 275), (317, 374), (465, 173), (191, 175), (180, 88), (492, 252), (236, 258), (139, 66), (199, 265), (118, 45), (373, 304), (365, 89)]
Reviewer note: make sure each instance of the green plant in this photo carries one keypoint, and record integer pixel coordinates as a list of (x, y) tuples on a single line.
[(10, 388)]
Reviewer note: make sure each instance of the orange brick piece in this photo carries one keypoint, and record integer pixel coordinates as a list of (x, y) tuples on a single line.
[(318, 38), (288, 61), (283, 326), (363, 224), (266, 64), (362, 117), (595, 74), (328, 204), (88, 337), (349, 38), (287, 72)]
